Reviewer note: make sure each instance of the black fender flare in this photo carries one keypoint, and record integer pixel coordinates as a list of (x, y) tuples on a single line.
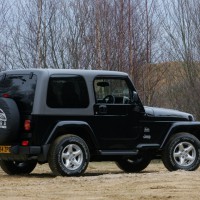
[(189, 127), (64, 125)]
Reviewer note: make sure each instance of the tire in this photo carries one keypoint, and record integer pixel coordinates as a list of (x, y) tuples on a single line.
[(135, 164), (18, 167), (68, 156), (9, 120), (182, 152)]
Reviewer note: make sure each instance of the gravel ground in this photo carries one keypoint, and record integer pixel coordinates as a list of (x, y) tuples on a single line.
[(103, 180)]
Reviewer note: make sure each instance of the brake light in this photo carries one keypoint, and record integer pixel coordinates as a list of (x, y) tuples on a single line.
[(27, 125), (25, 143), (6, 95)]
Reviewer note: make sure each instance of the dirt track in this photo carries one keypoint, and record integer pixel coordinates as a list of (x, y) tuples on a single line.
[(103, 181)]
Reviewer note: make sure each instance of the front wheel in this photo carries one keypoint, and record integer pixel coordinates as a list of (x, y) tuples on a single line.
[(135, 164), (18, 167), (68, 156), (182, 152)]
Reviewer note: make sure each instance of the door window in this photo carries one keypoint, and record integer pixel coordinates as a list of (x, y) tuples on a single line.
[(112, 91)]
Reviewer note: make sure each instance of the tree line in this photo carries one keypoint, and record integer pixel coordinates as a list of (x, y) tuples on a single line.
[(155, 42)]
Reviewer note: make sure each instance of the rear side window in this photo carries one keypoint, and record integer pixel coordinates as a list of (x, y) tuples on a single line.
[(21, 88), (67, 92)]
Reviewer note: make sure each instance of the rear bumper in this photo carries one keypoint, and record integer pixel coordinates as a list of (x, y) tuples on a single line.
[(28, 150), (18, 152)]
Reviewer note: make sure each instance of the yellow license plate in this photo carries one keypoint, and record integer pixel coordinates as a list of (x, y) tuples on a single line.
[(4, 149)]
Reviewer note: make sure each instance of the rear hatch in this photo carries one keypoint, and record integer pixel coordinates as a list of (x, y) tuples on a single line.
[(21, 89)]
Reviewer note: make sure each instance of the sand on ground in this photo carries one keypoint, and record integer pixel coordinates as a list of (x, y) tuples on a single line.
[(103, 180)]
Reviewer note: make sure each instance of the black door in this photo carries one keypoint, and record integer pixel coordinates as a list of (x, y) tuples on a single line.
[(116, 120)]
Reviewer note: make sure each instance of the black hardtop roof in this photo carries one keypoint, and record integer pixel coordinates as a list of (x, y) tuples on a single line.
[(66, 71)]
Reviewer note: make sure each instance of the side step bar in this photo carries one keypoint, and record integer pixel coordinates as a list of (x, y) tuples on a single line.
[(118, 153)]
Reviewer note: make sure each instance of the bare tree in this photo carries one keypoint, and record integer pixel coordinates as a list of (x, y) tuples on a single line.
[(4, 14), (182, 30), (88, 34)]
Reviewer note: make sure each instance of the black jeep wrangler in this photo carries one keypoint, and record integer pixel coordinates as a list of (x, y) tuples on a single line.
[(71, 117)]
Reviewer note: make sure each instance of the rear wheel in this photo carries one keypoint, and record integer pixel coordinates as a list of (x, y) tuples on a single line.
[(18, 167), (182, 152), (68, 156), (135, 164)]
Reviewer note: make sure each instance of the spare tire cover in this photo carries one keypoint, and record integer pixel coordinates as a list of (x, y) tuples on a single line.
[(9, 120)]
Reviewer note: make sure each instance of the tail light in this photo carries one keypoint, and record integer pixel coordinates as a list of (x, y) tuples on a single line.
[(25, 143), (6, 95), (27, 128), (27, 125)]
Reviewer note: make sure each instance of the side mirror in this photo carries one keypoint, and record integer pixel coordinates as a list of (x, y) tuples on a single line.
[(134, 97)]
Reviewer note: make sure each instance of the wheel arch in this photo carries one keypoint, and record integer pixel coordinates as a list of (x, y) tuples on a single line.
[(79, 128), (192, 128)]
